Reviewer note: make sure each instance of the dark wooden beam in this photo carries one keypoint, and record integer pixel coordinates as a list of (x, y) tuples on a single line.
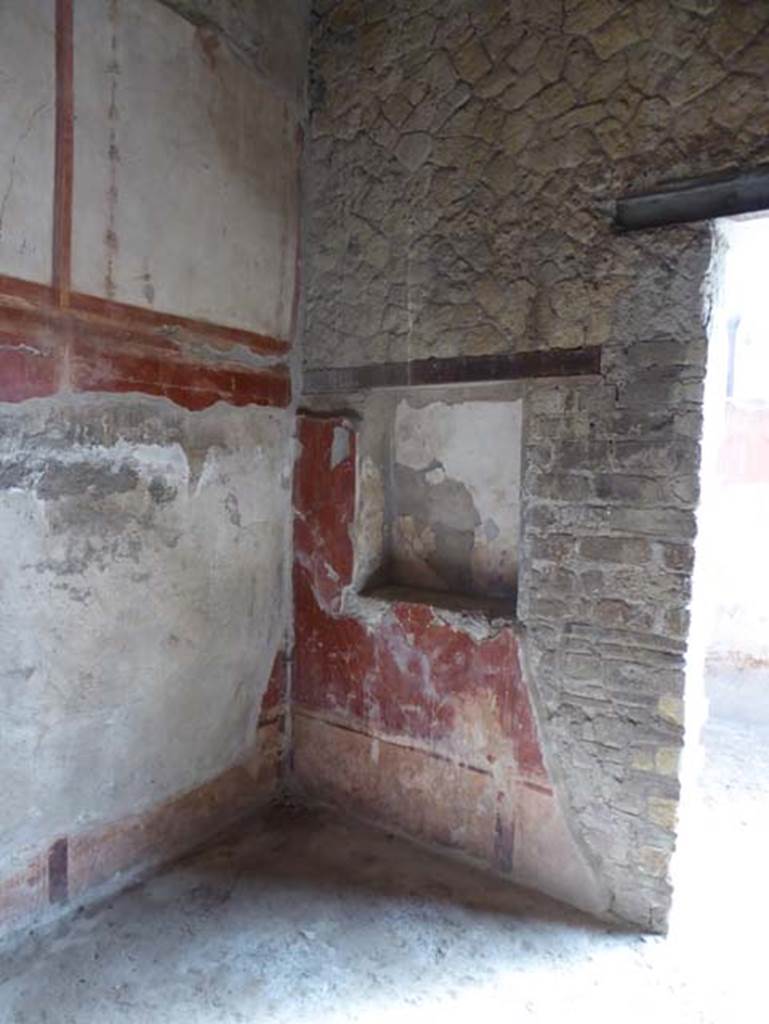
[(563, 362), (695, 199)]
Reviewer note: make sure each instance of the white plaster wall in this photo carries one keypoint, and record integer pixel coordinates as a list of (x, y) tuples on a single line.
[(142, 601), (476, 445), (185, 171), (143, 593), (26, 138)]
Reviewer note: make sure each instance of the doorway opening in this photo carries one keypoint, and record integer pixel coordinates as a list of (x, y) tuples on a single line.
[(720, 893)]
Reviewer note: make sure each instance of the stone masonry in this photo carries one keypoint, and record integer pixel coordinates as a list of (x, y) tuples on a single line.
[(464, 157)]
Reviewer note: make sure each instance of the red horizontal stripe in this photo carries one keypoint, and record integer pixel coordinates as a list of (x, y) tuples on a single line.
[(118, 356), (29, 291), (137, 317)]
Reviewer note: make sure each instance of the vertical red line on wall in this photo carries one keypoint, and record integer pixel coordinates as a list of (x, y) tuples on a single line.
[(64, 158)]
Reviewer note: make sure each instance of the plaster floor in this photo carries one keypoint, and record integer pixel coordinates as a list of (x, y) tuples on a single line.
[(308, 918)]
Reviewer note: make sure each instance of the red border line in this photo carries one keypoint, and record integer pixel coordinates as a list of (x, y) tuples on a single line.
[(150, 319), (59, 295), (26, 320), (15, 292), (64, 153), (31, 293), (113, 358)]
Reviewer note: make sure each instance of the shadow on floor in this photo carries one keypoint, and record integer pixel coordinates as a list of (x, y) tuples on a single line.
[(300, 917), (304, 918)]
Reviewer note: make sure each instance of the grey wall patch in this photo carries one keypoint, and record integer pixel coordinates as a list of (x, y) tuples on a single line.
[(340, 447)]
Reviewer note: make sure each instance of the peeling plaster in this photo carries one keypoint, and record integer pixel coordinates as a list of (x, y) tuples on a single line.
[(148, 603)]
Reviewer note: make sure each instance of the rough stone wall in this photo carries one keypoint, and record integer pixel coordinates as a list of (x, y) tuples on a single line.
[(145, 435), (464, 156), (463, 160)]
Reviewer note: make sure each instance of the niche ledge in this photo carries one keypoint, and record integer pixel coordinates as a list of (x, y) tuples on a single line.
[(437, 517), (490, 610)]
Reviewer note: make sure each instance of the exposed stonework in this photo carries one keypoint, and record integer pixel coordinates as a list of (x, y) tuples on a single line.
[(463, 162), (465, 153)]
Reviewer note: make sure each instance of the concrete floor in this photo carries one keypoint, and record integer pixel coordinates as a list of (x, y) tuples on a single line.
[(312, 919)]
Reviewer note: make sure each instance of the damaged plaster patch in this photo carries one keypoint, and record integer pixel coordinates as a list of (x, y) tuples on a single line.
[(79, 479), (340, 447), (436, 475), (233, 511), (93, 472), (478, 619), (237, 354), (134, 602), (161, 492), (456, 495), (370, 522)]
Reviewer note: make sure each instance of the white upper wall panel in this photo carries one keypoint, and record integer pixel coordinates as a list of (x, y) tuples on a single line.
[(185, 171), (27, 127)]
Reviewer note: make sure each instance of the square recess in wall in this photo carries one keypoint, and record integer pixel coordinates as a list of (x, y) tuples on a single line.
[(439, 498)]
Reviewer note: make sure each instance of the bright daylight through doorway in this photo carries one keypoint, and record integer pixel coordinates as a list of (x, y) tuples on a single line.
[(721, 897)]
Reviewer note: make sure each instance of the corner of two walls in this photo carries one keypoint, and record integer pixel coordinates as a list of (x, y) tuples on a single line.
[(408, 713), (462, 165), (147, 313), (457, 186)]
